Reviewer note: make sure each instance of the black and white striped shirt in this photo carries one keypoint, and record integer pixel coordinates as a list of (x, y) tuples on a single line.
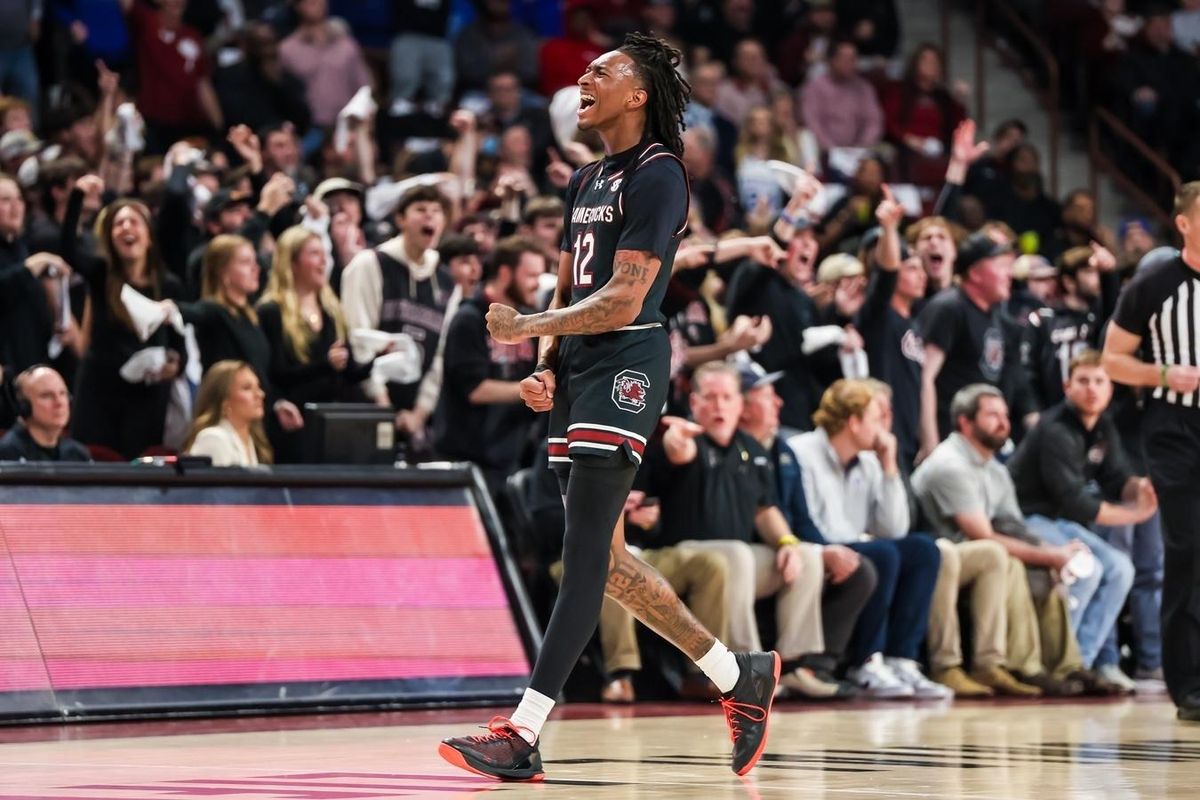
[(1162, 305)]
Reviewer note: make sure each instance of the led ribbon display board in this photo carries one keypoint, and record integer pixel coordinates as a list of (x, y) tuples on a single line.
[(156, 592)]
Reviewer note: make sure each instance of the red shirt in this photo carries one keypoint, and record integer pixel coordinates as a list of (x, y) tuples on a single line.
[(170, 64), (563, 62)]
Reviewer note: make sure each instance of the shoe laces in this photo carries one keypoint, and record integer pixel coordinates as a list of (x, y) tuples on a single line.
[(734, 710), (498, 728)]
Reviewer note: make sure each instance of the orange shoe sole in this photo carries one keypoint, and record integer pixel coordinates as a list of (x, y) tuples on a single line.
[(770, 702), (457, 759)]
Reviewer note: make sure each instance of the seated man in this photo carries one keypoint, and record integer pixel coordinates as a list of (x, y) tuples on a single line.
[(1071, 472), (856, 497), (969, 495), (849, 579), (43, 413), (716, 491), (480, 416)]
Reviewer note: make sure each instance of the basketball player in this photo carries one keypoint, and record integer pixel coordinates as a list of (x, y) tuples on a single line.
[(1162, 304), (603, 372)]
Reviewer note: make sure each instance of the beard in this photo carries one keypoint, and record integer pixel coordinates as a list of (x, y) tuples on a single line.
[(991, 441)]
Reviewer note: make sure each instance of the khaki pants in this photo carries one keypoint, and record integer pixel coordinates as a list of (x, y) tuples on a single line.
[(1039, 633), (981, 566), (698, 577), (752, 575)]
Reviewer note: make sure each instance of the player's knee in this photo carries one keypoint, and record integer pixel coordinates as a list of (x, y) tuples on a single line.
[(611, 466)]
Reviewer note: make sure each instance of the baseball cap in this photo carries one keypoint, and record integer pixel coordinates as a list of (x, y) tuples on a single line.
[(754, 376), (978, 247), (224, 199), (331, 185), (837, 266), (18, 144), (1033, 268)]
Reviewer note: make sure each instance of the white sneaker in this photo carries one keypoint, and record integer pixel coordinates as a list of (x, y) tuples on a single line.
[(923, 688), (1112, 673), (876, 679)]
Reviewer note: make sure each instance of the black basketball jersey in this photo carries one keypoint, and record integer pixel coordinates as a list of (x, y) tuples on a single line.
[(633, 200)]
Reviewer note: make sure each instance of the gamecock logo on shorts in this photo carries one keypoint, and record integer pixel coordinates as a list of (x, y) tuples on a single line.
[(629, 390)]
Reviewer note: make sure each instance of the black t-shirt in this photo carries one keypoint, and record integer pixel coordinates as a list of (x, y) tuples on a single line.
[(1159, 306), (633, 200), (18, 445), (224, 335), (759, 291), (491, 435), (973, 341), (895, 353), (1055, 336), (689, 324), (716, 496)]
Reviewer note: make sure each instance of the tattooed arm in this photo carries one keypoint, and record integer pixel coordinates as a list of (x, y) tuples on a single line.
[(616, 305)]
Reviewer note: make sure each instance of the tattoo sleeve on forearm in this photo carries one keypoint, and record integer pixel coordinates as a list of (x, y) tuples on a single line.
[(606, 310), (646, 594)]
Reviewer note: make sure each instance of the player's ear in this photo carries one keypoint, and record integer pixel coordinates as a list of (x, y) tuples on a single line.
[(637, 98)]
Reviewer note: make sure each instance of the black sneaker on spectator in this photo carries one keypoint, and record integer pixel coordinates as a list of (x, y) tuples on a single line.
[(1052, 686)]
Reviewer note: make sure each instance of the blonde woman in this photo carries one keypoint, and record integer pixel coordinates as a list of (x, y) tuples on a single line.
[(227, 324), (303, 323), (761, 140), (228, 425)]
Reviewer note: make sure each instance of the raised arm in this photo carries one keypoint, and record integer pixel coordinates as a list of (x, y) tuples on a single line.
[(616, 305)]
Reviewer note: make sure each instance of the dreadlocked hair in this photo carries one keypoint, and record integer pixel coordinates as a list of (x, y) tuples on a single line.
[(656, 63)]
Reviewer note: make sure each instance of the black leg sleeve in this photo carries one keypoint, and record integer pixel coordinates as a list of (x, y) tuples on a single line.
[(596, 494)]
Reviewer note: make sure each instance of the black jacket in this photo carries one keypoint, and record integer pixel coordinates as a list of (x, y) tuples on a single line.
[(1063, 471)]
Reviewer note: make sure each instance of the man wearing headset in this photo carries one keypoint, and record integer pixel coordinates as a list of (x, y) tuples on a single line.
[(43, 412)]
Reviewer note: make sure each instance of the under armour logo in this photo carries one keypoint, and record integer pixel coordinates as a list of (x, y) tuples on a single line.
[(600, 183)]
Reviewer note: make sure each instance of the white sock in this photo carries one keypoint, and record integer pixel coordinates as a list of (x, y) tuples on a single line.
[(531, 715), (720, 666)]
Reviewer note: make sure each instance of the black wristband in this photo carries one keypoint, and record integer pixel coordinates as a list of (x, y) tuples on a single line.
[(542, 366)]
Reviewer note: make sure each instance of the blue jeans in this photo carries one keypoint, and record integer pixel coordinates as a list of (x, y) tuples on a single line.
[(1097, 599), (896, 617), (1144, 545), (19, 76)]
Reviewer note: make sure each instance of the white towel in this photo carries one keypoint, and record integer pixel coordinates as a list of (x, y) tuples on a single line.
[(144, 363), (147, 315)]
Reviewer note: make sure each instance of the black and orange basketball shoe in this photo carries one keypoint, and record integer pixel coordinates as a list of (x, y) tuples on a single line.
[(748, 707), (500, 753)]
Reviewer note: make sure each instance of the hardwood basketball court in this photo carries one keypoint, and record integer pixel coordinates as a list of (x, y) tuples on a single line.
[(1045, 750)]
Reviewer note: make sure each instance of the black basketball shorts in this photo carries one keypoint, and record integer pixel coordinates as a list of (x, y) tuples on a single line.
[(611, 389)]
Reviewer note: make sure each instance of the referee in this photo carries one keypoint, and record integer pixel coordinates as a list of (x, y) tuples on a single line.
[(1161, 306)]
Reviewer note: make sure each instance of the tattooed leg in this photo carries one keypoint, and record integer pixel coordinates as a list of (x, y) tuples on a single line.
[(646, 594)]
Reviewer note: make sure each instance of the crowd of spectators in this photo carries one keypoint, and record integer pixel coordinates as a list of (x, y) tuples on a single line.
[(214, 214)]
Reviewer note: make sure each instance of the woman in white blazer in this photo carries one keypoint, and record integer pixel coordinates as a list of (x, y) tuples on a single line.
[(228, 426)]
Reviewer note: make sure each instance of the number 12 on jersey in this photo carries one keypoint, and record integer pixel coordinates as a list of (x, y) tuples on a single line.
[(584, 248)]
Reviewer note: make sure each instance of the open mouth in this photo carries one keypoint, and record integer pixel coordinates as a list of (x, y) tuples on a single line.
[(429, 230), (586, 101)]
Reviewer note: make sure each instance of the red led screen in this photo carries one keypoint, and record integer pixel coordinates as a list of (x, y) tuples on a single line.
[(106, 595)]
